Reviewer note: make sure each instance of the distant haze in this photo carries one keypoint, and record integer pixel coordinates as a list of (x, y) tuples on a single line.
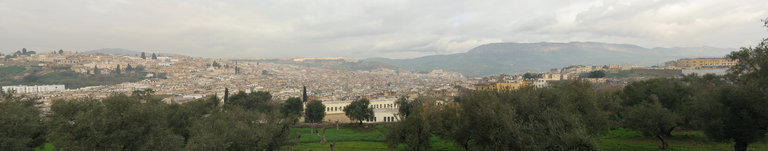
[(365, 29), (497, 58)]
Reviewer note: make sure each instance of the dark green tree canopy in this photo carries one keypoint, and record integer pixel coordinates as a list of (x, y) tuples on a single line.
[(359, 110), (292, 107), (738, 113), (255, 100), (596, 74), (21, 126), (315, 112)]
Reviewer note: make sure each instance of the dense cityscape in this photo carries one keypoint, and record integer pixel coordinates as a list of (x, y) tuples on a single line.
[(487, 75)]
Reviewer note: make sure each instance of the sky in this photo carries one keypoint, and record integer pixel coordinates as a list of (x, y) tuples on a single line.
[(369, 28)]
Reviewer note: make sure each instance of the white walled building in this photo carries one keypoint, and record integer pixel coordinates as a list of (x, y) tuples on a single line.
[(384, 109), (34, 89)]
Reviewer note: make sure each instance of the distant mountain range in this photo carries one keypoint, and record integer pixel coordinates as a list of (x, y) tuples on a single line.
[(497, 58), (126, 52)]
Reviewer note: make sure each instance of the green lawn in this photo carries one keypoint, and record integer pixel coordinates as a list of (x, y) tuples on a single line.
[(46, 147), (628, 140), (354, 138)]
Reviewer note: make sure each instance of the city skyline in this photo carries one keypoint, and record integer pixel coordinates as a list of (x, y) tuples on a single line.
[(392, 29)]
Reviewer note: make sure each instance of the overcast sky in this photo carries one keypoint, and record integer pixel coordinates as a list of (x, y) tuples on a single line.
[(363, 29)]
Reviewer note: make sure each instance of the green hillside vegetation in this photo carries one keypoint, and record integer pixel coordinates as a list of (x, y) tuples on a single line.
[(18, 75)]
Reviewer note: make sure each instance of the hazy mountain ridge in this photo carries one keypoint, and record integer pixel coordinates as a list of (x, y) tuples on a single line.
[(126, 52), (496, 58)]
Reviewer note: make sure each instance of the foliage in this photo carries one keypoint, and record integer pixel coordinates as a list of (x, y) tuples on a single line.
[(565, 117), (359, 110), (68, 77), (21, 126), (737, 113), (671, 93), (413, 131), (292, 107), (315, 112), (254, 100), (118, 122), (239, 129), (403, 107), (596, 74), (651, 119)]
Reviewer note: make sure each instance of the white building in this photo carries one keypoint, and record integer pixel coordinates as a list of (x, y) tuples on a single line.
[(384, 109), (34, 89)]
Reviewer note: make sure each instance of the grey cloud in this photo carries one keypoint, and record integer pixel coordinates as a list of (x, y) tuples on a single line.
[(362, 29)]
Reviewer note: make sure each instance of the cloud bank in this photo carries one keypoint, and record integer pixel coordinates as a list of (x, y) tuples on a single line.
[(362, 29)]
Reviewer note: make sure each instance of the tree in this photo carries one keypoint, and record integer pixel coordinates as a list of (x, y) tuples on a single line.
[(117, 69), (315, 112), (359, 110), (304, 96), (239, 129), (529, 75), (128, 68), (21, 126), (651, 119), (254, 100), (143, 56), (739, 114), (404, 107), (672, 94), (23, 51), (96, 70), (292, 107), (117, 122), (138, 68), (596, 74), (61, 51), (154, 57), (562, 117), (413, 131), (143, 94)]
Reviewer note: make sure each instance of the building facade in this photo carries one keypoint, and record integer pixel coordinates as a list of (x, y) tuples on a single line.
[(33, 89), (384, 110), (698, 63)]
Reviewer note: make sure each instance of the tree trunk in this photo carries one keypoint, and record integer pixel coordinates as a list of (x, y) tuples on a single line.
[(740, 146), (664, 144), (668, 133)]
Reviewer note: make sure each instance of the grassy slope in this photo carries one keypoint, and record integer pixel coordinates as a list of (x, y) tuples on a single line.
[(628, 140), (71, 79), (353, 139)]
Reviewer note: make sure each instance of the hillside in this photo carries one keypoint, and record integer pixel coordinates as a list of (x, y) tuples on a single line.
[(499, 58), (338, 64)]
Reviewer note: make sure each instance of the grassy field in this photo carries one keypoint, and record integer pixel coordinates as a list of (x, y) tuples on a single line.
[(46, 147), (354, 139), (628, 140)]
